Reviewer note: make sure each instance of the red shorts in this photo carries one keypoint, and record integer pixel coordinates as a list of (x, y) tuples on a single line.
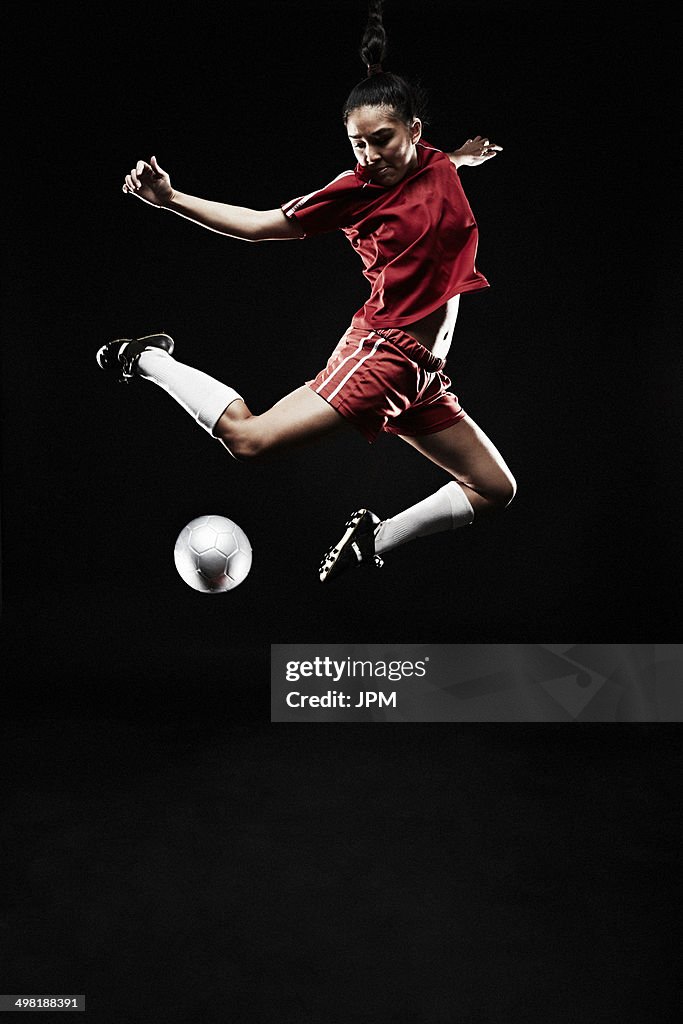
[(386, 380)]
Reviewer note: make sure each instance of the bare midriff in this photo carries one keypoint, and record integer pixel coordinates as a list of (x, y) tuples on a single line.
[(435, 331)]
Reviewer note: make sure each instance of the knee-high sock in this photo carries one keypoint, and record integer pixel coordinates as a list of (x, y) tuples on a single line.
[(446, 509), (202, 396)]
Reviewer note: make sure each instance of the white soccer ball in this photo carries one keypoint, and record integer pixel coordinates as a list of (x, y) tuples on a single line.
[(212, 554)]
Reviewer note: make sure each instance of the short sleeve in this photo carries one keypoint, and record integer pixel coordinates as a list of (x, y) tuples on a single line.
[(326, 209)]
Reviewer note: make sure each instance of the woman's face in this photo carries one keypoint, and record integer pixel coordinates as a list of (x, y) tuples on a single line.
[(383, 144)]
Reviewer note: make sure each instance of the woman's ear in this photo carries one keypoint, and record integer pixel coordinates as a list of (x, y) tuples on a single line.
[(416, 130)]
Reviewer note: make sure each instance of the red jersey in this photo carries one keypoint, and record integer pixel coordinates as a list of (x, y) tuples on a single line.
[(417, 239)]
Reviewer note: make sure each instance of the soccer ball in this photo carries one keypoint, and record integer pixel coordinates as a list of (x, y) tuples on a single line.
[(212, 554)]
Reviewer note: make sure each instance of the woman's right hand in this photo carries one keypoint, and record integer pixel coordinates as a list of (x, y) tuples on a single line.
[(149, 182)]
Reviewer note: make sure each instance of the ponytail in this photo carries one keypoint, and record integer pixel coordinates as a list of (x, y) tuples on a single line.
[(373, 48), (381, 88)]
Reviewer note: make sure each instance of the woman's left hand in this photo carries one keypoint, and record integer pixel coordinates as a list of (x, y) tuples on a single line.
[(475, 151)]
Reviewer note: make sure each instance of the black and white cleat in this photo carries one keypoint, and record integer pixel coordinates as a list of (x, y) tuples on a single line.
[(119, 357), (356, 547)]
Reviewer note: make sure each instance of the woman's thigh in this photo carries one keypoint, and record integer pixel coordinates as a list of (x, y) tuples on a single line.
[(465, 452), (298, 418)]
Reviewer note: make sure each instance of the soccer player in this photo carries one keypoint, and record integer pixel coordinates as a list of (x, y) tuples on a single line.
[(404, 211)]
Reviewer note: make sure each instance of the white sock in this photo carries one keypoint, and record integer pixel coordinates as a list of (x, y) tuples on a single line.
[(202, 396), (446, 509)]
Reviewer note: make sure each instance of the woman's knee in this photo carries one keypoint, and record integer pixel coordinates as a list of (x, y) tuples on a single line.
[(242, 438), (498, 493), (504, 491)]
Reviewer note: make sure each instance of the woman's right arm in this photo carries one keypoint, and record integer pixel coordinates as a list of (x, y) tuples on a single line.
[(149, 182)]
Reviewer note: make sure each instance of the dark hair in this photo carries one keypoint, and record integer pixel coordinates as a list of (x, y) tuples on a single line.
[(383, 88)]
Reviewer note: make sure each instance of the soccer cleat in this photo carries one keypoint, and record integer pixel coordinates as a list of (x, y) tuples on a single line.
[(121, 355), (357, 546)]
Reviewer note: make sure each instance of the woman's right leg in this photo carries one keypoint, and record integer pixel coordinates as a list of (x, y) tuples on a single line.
[(299, 417)]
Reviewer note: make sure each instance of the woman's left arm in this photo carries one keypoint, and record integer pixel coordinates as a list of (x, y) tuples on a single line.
[(474, 152)]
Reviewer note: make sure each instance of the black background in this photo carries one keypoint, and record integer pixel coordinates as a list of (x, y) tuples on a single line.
[(168, 838)]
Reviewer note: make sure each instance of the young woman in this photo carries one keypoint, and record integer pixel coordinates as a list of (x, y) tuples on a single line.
[(404, 211)]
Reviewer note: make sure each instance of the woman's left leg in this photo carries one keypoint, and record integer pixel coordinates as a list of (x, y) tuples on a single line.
[(473, 460), (482, 483)]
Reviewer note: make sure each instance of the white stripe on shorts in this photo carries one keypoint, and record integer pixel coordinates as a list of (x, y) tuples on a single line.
[(354, 368), (344, 361)]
